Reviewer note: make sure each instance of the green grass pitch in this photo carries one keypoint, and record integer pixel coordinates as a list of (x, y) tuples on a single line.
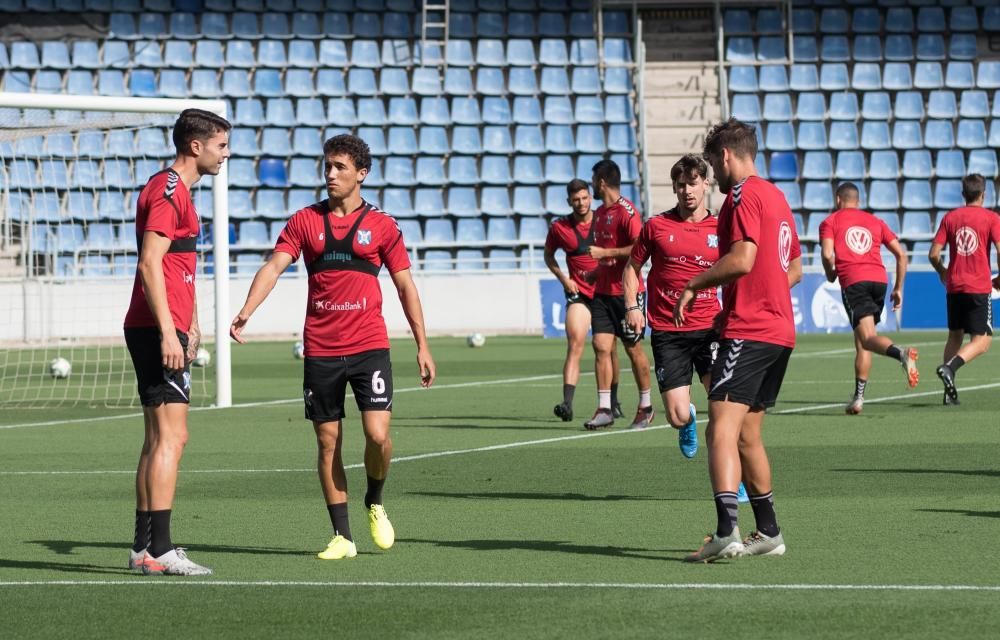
[(888, 516)]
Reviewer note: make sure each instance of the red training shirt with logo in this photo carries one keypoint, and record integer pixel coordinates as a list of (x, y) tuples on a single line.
[(563, 235), (680, 249), (758, 306), (968, 232), (344, 307), (165, 207), (617, 225), (857, 237)]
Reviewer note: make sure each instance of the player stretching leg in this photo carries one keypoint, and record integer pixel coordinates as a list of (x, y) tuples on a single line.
[(617, 225), (344, 242), (574, 234), (162, 332), (759, 260), (968, 231), (852, 240)]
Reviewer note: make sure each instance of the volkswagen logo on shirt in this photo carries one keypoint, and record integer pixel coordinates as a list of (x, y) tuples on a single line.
[(859, 240), (966, 241), (785, 245)]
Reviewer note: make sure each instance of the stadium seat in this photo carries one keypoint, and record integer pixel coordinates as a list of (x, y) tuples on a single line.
[(792, 193), (466, 140), (866, 20), (396, 202), (993, 140), (971, 134), (906, 134), (897, 76), (434, 112), (458, 53), (867, 48), (581, 24), (948, 194), (928, 75), (270, 204), (917, 163), (746, 107), (430, 171), (835, 49), (940, 104), (866, 77), (412, 234), (939, 134), (984, 162), (875, 135), (241, 173), (585, 81), (930, 47), (173, 84), (771, 48), (883, 165), (898, 48), (812, 136), (403, 111), (304, 172), (974, 104), (843, 135), (85, 55), (844, 106), (959, 75), (818, 196), (950, 164), (462, 170), (433, 141), (554, 82), (833, 21), (833, 77), (743, 79), (528, 110), (465, 111), (784, 166), (804, 48), (495, 170), (528, 139), (988, 75), (500, 230), (917, 195), (737, 22), (883, 195), (617, 80), (811, 106), (777, 107), (850, 165)]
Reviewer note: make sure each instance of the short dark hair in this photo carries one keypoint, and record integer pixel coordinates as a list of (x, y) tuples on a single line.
[(848, 191), (576, 185), (608, 171), (973, 187), (197, 124), (687, 165), (353, 146), (737, 136)]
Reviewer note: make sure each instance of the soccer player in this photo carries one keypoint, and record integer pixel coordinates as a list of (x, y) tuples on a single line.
[(852, 242), (574, 234), (682, 243), (162, 332), (968, 231), (344, 242), (617, 224), (759, 260)]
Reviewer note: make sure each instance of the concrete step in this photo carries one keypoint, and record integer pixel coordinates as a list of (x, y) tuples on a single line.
[(663, 80), (674, 139), (683, 110)]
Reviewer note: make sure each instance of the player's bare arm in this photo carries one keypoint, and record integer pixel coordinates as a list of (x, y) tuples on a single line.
[(934, 256), (735, 264), (154, 247), (828, 259), (549, 255), (263, 283), (410, 299), (794, 272), (194, 333), (599, 253), (902, 262), (630, 282)]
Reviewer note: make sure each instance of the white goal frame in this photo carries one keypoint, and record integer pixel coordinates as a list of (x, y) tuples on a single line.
[(220, 197)]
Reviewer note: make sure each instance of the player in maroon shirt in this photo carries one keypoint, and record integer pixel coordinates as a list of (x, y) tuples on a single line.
[(574, 234), (617, 224), (968, 231), (345, 241), (852, 242), (759, 261), (681, 242), (162, 332)]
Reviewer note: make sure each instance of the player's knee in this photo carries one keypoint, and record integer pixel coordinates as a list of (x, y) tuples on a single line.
[(679, 416), (378, 438)]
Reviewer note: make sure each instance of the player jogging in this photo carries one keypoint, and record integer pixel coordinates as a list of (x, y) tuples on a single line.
[(968, 232), (759, 260), (681, 243), (574, 234), (617, 224), (162, 332), (852, 242), (344, 242)]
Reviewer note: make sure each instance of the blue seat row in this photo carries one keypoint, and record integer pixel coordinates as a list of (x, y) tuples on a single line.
[(893, 76), (915, 195), (893, 48), (895, 19), (875, 105), (287, 6), (880, 165), (876, 134)]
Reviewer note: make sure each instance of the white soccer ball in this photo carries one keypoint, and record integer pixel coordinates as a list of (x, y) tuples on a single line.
[(202, 358), (476, 340), (298, 350), (60, 368)]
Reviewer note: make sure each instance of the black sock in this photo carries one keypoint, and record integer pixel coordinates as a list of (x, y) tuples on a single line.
[(614, 394), (568, 391), (141, 540), (727, 508), (955, 363), (159, 537), (859, 387), (763, 513), (338, 518), (374, 493), (894, 352)]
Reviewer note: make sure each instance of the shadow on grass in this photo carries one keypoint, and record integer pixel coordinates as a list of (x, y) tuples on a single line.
[(524, 495), (965, 512), (547, 546), (69, 567), (69, 547), (986, 473)]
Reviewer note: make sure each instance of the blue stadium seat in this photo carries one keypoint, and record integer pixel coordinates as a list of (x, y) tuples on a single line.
[(988, 75), (833, 21), (883, 194), (402, 140), (240, 204), (60, 145), (462, 202), (85, 55), (470, 230), (397, 25), (891, 219), (866, 20), (243, 142), (147, 54), (101, 235), (974, 104), (960, 75), (553, 52), (412, 234), (917, 163), (622, 138), (899, 20), (931, 19), (835, 49), (585, 81), (490, 53), (950, 164), (948, 194), (465, 111), (118, 174), (528, 139), (273, 173), (866, 77), (818, 196), (899, 48), (984, 162), (811, 106), (239, 54), (780, 137), (120, 25), (906, 135), (897, 76), (246, 26), (110, 82), (528, 201), (375, 138), (617, 51), (590, 139), (253, 233), (274, 141), (306, 25), (812, 136), (271, 53), (746, 107), (773, 78), (833, 77), (172, 84), (433, 141), (737, 22), (520, 53), (270, 204), (462, 170), (495, 170), (81, 82), (930, 46), (777, 107), (430, 171), (617, 109), (917, 195), (142, 83), (425, 81), (208, 54), (867, 48), (617, 80), (559, 110), (816, 165), (466, 140), (784, 166), (743, 79), (940, 105), (458, 53), (403, 111), (803, 20), (928, 75), (843, 135), (396, 202), (396, 53), (489, 82), (54, 175), (50, 81), (281, 113), (771, 48), (458, 82), (559, 169), (496, 139), (884, 165), (792, 193), (266, 83), (844, 106), (501, 230), (304, 172), (916, 225), (971, 134), (428, 202), (555, 81), (804, 48), (939, 134), (875, 135), (438, 260), (434, 112)]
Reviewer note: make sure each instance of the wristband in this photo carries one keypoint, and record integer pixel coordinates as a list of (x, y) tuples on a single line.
[(633, 308)]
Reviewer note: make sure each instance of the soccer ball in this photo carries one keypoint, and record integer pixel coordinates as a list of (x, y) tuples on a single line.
[(298, 350), (60, 368), (202, 358), (476, 340)]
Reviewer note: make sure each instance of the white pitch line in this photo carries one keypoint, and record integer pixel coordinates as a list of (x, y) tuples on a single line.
[(666, 586), (845, 351), (418, 456), (903, 396)]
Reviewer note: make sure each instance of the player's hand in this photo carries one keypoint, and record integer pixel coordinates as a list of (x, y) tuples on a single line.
[(596, 252), (897, 299), (683, 303), (171, 351), (571, 288), (236, 328), (425, 364), (636, 321), (194, 342)]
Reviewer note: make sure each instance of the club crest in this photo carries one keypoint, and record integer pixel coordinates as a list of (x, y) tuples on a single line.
[(364, 237), (713, 241)]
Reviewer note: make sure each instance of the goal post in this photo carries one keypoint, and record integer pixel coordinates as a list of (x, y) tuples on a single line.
[(25, 117)]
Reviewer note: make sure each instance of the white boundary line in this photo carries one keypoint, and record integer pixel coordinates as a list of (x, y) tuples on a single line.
[(902, 396), (706, 586)]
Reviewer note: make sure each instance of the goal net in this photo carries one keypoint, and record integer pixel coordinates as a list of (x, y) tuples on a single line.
[(71, 169)]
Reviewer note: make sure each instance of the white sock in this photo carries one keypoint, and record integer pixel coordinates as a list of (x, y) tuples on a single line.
[(644, 400), (604, 399)]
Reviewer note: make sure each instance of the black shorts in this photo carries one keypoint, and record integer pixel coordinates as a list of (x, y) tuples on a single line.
[(607, 315), (578, 298), (677, 353), (971, 313), (863, 299), (324, 384), (749, 372), (157, 385)]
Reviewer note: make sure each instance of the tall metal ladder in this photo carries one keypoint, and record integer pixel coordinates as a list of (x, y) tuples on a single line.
[(434, 8)]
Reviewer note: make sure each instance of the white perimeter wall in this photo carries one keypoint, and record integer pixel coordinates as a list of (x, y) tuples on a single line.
[(453, 305)]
